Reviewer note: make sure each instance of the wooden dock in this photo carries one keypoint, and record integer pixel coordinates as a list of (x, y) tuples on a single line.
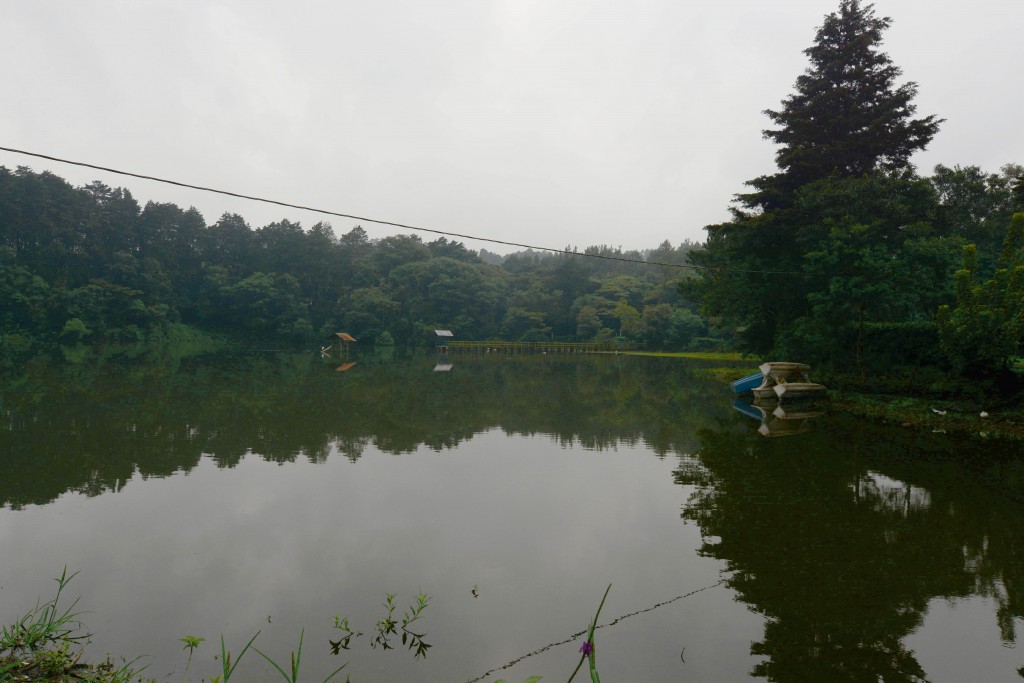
[(510, 348)]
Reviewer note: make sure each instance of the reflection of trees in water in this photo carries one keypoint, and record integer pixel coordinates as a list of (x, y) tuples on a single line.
[(841, 538), (91, 427)]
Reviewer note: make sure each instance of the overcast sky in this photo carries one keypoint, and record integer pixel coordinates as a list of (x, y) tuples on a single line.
[(545, 122)]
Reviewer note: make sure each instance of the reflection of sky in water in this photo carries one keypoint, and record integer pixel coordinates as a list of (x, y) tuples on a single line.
[(885, 494), (966, 629), (538, 527), (956, 625)]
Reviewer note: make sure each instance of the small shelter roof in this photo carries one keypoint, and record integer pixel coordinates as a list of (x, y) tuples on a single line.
[(344, 336), (444, 333)]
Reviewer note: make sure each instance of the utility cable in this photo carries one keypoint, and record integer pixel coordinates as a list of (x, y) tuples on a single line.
[(394, 224), (610, 623)]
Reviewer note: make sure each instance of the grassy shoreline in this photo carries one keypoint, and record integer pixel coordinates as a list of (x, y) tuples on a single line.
[(932, 415), (951, 410)]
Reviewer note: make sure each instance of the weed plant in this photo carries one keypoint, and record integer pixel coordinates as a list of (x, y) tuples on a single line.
[(43, 645), (588, 651)]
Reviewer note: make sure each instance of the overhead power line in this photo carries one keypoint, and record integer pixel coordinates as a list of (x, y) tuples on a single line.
[(393, 224)]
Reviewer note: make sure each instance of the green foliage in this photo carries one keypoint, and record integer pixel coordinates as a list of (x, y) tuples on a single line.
[(868, 268), (267, 304), (26, 296), (45, 625), (628, 318), (292, 676), (128, 274), (986, 326), (191, 642), (848, 117), (226, 666), (588, 323), (844, 236), (977, 207), (42, 645), (684, 328), (806, 282), (523, 325), (887, 345), (386, 626), (75, 330)]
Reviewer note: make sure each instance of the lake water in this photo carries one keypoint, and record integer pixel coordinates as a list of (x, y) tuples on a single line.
[(271, 492)]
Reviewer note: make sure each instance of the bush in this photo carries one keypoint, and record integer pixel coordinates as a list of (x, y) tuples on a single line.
[(884, 345), (75, 329)]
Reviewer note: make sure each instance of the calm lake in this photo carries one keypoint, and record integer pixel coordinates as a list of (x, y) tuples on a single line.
[(273, 492)]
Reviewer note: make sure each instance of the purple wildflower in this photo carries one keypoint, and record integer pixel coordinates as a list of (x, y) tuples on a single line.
[(587, 648)]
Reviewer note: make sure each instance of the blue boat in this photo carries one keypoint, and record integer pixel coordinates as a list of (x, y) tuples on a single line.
[(749, 410), (748, 383)]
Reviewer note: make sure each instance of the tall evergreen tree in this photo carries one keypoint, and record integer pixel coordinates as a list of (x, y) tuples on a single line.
[(847, 130), (848, 117)]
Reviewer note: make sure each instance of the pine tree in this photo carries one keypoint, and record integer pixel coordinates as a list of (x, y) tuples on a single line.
[(846, 136), (848, 117)]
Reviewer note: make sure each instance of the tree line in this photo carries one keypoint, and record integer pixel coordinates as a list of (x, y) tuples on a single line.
[(90, 265), (845, 255)]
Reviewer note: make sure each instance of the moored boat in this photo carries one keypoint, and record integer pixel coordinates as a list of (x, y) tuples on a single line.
[(799, 389), (790, 380), (748, 383)]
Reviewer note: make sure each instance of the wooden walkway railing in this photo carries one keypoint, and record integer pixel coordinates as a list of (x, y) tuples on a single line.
[(524, 347)]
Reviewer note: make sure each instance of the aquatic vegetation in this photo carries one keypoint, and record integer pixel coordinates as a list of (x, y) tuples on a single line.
[(227, 668), (191, 642), (412, 639), (588, 651), (296, 659), (350, 633), (44, 625), (42, 645), (388, 626)]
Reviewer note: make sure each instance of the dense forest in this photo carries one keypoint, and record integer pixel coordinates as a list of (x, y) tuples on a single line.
[(91, 265), (868, 269), (844, 257)]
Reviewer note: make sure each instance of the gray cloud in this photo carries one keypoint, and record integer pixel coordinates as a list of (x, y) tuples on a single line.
[(574, 122)]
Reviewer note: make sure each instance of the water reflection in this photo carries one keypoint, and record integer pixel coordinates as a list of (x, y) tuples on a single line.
[(843, 537), (776, 419), (160, 419), (883, 493)]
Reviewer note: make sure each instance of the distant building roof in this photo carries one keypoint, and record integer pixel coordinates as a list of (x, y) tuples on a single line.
[(444, 333), (344, 336)]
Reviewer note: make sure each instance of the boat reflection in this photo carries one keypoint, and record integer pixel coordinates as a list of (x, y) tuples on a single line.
[(777, 420)]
